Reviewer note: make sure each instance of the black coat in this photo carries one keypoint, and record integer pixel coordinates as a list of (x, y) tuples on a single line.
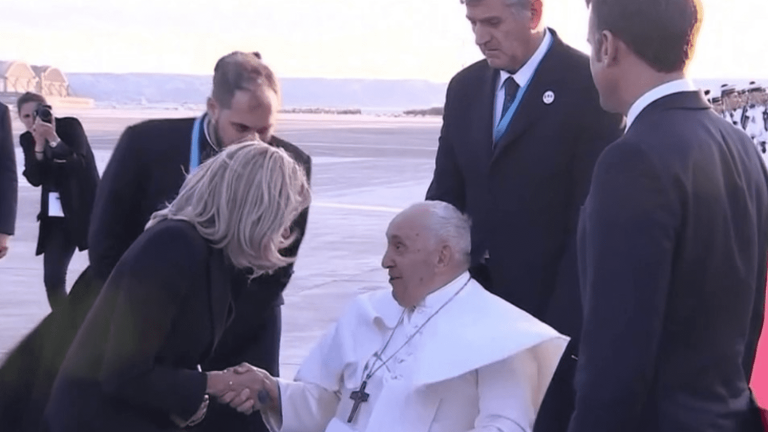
[(68, 168), (8, 177), (673, 243), (524, 196), (135, 359), (146, 172)]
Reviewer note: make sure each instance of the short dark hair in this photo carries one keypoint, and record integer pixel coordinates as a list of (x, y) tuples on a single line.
[(29, 97), (661, 32), (240, 71)]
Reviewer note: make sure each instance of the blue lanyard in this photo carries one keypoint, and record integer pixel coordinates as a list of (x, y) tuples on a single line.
[(504, 122), (194, 151)]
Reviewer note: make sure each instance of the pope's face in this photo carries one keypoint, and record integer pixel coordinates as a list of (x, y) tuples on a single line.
[(411, 258)]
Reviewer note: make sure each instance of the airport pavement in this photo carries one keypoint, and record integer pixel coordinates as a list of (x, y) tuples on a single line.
[(365, 169)]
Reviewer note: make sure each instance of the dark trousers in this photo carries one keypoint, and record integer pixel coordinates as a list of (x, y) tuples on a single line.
[(560, 399), (58, 249), (234, 348)]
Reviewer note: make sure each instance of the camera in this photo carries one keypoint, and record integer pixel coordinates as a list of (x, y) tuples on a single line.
[(44, 113)]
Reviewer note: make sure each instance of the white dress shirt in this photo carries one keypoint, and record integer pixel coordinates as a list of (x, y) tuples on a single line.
[(677, 86), (522, 77)]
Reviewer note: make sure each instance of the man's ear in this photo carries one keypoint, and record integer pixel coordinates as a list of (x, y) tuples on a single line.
[(537, 12), (610, 47), (212, 107), (445, 256)]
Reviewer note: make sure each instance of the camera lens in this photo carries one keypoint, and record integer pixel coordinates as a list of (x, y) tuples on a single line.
[(44, 113)]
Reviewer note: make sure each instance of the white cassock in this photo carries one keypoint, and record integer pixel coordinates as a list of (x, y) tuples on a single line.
[(480, 364)]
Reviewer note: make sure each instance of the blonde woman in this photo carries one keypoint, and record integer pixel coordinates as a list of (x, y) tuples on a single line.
[(134, 363)]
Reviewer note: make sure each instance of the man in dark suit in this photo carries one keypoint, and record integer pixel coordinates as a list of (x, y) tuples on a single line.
[(8, 181), (521, 132), (672, 241), (146, 171)]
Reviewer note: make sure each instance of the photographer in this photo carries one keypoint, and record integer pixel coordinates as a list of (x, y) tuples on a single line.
[(58, 158)]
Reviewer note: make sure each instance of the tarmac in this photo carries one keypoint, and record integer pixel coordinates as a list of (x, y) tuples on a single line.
[(365, 169)]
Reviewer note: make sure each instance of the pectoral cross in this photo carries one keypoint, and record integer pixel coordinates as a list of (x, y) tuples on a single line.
[(359, 396)]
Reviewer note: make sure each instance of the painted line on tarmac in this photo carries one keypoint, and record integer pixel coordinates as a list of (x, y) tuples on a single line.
[(357, 207)]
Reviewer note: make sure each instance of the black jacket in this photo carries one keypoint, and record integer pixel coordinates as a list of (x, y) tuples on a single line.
[(146, 172), (523, 198), (673, 242), (70, 169), (8, 177), (135, 359)]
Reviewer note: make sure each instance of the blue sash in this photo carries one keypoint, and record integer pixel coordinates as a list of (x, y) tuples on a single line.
[(194, 151), (507, 119)]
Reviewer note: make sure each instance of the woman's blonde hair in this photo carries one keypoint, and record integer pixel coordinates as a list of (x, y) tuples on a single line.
[(243, 201)]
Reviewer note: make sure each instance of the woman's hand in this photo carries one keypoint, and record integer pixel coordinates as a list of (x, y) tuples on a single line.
[(43, 132), (252, 389), (219, 382)]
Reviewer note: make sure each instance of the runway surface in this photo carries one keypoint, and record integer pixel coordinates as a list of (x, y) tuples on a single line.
[(365, 169)]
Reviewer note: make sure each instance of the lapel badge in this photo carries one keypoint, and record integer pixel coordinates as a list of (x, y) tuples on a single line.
[(548, 97)]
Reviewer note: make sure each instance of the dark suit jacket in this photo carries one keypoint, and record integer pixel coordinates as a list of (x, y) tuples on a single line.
[(144, 174), (673, 243), (134, 360), (523, 198), (8, 178), (68, 168)]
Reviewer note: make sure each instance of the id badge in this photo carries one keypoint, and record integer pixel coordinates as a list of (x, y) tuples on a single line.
[(54, 205)]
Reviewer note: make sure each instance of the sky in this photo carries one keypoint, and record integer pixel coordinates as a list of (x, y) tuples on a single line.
[(390, 39)]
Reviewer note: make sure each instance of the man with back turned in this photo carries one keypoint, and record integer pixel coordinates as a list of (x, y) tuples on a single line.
[(672, 240)]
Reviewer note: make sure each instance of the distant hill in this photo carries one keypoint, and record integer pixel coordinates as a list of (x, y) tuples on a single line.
[(365, 94)]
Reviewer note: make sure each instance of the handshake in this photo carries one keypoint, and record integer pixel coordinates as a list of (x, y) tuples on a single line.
[(245, 388)]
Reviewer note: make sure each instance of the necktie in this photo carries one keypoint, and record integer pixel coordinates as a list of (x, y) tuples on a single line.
[(510, 92)]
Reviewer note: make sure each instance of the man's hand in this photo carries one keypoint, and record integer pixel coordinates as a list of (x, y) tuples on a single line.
[(253, 389), (4, 245), (43, 132)]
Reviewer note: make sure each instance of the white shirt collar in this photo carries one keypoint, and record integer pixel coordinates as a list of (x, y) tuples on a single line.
[(388, 311), (677, 86), (441, 295), (524, 75)]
